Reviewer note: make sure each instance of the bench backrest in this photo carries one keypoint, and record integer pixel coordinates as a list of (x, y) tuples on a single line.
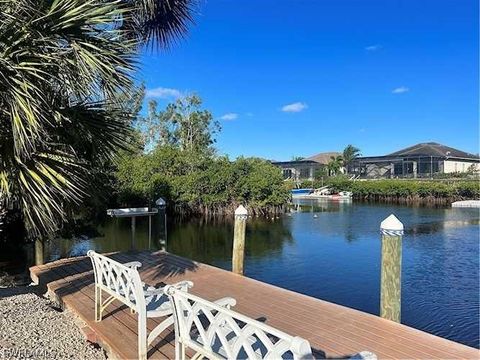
[(219, 333), (118, 280)]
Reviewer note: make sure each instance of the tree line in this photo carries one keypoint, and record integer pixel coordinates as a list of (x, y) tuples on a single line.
[(176, 159)]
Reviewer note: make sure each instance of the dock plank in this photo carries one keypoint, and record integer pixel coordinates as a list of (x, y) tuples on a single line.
[(333, 330)]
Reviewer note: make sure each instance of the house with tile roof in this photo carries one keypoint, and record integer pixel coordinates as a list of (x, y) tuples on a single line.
[(422, 160), (305, 169)]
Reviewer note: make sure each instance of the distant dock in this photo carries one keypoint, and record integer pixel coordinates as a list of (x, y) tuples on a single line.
[(466, 204)]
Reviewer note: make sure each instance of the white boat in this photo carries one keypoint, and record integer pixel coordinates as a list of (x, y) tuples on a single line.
[(326, 193), (466, 204)]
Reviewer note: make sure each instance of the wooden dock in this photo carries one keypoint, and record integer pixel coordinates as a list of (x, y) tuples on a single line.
[(334, 331)]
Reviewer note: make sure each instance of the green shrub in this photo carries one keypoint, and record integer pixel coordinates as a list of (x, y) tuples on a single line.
[(196, 182)]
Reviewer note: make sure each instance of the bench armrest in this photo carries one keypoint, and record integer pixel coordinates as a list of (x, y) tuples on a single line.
[(133, 265), (226, 302), (182, 285)]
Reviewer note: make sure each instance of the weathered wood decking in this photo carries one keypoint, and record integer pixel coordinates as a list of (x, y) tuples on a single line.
[(333, 330)]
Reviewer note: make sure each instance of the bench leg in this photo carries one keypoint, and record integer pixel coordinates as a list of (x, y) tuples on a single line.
[(179, 351), (177, 348), (98, 304), (142, 336)]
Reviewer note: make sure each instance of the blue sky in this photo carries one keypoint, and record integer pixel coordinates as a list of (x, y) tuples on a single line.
[(298, 77)]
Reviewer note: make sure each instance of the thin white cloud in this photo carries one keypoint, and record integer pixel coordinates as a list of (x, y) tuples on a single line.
[(229, 116), (373, 48), (294, 107), (163, 93), (400, 90)]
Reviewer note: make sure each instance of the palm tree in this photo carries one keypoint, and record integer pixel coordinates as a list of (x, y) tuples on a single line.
[(65, 68), (298, 158), (350, 153), (334, 165)]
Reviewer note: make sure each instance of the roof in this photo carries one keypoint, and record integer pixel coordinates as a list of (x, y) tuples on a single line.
[(433, 149), (294, 162), (323, 158)]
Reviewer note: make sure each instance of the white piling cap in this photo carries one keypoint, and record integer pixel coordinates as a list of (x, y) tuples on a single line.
[(391, 223), (160, 202), (241, 211)]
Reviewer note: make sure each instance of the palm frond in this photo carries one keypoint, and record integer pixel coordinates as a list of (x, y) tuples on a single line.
[(160, 23)]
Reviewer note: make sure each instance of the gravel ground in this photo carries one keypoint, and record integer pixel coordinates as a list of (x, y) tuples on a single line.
[(31, 327)]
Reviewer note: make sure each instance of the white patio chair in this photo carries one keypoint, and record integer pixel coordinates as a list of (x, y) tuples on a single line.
[(122, 282)]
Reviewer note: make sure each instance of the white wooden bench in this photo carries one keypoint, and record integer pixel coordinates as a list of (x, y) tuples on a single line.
[(214, 331), (217, 332), (122, 282)]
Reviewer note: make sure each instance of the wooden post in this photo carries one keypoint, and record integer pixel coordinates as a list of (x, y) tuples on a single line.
[(162, 205), (390, 291), (165, 229), (149, 232), (39, 258), (133, 233), (238, 255)]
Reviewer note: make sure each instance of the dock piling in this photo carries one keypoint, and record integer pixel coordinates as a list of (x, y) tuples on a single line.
[(132, 245), (238, 255), (390, 291), (162, 211), (39, 252)]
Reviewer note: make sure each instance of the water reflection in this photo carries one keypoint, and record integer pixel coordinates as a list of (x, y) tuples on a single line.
[(211, 240), (439, 226), (112, 235), (319, 205)]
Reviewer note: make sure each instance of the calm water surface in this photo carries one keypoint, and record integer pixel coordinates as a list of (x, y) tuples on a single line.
[(331, 251)]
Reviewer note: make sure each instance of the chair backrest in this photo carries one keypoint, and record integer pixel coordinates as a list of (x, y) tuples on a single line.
[(219, 333), (118, 280)]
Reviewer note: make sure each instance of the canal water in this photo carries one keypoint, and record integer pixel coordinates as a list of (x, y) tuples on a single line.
[(331, 251)]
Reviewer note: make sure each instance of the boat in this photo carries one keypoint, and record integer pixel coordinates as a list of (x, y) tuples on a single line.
[(301, 191), (324, 193), (466, 204)]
